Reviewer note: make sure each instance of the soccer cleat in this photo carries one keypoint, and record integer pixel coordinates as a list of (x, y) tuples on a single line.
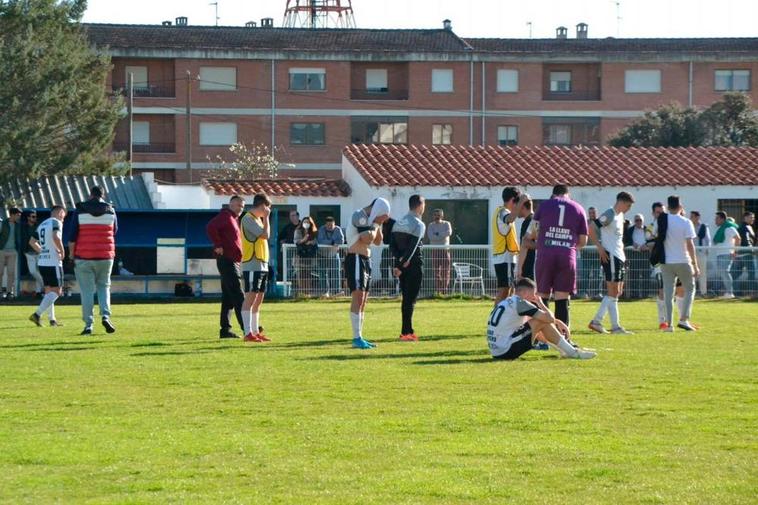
[(360, 343), (596, 327), (685, 325), (584, 354), (262, 338), (668, 329), (251, 338), (55, 323), (409, 337), (86, 331), (227, 334), (663, 326), (35, 319), (541, 346), (109, 328), (620, 330)]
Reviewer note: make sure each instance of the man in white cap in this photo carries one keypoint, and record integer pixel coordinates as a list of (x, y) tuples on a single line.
[(363, 230)]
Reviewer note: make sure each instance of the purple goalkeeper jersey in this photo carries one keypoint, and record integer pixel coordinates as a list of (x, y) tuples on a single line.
[(561, 221)]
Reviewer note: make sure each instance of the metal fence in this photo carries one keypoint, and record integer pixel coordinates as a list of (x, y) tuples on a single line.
[(468, 270)]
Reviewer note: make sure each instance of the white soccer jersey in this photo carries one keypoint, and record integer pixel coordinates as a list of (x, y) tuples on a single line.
[(505, 320), (358, 224), (48, 256), (612, 233)]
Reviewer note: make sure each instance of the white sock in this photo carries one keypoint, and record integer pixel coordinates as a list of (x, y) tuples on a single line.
[(247, 321), (47, 302), (661, 311), (256, 317), (613, 310), (600, 314), (355, 322), (51, 312), (363, 317), (680, 307), (565, 347)]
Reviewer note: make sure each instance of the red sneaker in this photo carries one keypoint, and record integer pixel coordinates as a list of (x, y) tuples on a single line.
[(262, 338), (409, 338), (663, 326), (250, 338)]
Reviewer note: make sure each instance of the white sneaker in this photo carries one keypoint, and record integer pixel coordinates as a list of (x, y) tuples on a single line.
[(596, 327), (727, 296), (668, 329), (685, 325), (620, 330), (584, 354)]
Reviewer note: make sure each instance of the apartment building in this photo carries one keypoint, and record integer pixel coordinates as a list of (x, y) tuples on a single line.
[(309, 93)]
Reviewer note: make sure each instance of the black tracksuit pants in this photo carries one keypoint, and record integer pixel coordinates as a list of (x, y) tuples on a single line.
[(410, 284), (231, 291)]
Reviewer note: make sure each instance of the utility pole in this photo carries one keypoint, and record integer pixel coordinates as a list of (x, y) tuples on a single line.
[(130, 84), (529, 24), (188, 136), (215, 4)]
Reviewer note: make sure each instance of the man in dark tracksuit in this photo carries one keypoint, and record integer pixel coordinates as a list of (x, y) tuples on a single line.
[(405, 244)]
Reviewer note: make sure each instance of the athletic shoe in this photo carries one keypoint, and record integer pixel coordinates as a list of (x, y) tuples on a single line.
[(685, 325), (35, 319), (584, 354), (86, 331), (663, 326), (596, 327), (55, 323), (227, 334), (251, 338), (541, 346), (620, 330), (109, 328), (410, 337), (262, 337), (668, 329), (360, 343), (727, 296)]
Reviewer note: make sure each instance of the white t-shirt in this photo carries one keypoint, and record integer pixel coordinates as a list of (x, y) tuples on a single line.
[(46, 231), (679, 230), (505, 320), (504, 228), (612, 233), (729, 235)]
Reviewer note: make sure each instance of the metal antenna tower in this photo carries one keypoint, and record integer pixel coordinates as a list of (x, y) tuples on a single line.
[(319, 14)]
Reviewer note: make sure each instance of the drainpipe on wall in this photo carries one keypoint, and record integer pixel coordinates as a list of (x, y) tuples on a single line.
[(471, 103), (484, 106), (689, 86), (273, 105)]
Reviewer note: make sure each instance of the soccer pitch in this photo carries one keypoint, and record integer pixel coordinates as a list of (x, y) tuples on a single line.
[(165, 412)]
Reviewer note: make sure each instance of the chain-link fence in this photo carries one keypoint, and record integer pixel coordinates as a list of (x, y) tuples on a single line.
[(468, 270)]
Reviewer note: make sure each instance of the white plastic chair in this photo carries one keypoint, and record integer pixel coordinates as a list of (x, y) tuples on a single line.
[(468, 273)]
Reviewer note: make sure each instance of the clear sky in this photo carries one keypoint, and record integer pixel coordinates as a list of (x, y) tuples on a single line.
[(473, 18)]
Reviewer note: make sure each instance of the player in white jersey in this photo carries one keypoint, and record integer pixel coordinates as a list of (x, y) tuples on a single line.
[(609, 240), (48, 242), (363, 230), (516, 322)]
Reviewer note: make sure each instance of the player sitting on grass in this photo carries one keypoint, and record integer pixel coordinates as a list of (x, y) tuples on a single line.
[(518, 320)]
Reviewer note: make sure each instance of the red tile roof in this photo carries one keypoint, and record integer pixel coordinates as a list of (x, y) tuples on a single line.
[(390, 165), (280, 187)]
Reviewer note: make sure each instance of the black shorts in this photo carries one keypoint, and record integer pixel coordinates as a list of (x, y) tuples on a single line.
[(52, 277), (255, 282), (357, 272), (659, 281), (521, 342), (613, 270), (504, 274)]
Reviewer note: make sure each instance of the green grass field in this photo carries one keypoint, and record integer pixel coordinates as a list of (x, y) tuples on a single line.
[(164, 412)]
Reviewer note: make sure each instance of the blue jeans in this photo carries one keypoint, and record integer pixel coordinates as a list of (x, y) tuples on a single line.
[(329, 271), (94, 276), (724, 265)]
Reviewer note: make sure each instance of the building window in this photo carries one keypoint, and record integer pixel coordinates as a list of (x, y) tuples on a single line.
[(140, 77), (379, 130), (307, 134), (442, 134), (571, 131), (218, 134), (442, 80), (507, 81), (560, 82), (732, 80), (559, 134), (507, 135), (307, 79), (642, 81), (376, 80), (737, 207), (140, 133), (218, 79)]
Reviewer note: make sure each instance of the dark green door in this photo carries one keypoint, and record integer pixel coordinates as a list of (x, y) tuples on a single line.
[(469, 218)]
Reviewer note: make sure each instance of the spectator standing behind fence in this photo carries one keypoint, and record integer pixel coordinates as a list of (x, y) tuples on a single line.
[(639, 267), (305, 255), (10, 245), (224, 232), (439, 232), (287, 236), (29, 232), (703, 239), (93, 247), (679, 262), (330, 237), (726, 237), (744, 260)]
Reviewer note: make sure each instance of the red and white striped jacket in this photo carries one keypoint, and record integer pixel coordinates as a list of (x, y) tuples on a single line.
[(95, 230)]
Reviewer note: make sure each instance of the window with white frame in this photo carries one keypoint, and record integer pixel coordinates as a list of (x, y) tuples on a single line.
[(559, 134), (442, 80), (307, 134), (218, 134), (140, 76), (376, 80), (732, 80), (218, 79), (507, 135), (140, 133), (507, 81), (442, 134), (642, 81), (307, 79), (560, 82)]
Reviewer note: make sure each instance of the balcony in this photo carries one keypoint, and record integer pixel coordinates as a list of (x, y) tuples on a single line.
[(148, 91), (153, 147), (580, 95), (379, 94)]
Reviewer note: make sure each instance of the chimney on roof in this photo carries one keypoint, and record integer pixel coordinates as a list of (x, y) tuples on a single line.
[(251, 24), (447, 25), (166, 23), (181, 21), (267, 23), (581, 30), (561, 32)]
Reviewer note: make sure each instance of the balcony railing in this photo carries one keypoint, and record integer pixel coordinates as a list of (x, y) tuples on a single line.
[(152, 147), (148, 91), (579, 95), (389, 94)]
